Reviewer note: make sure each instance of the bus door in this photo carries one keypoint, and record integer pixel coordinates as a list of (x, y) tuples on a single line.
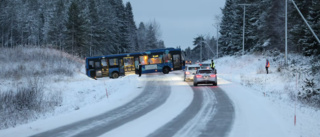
[(91, 72), (176, 62), (121, 67), (97, 67), (136, 65), (129, 65), (105, 67)]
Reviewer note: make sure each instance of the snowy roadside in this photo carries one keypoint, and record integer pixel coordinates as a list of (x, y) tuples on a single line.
[(83, 97), (277, 89)]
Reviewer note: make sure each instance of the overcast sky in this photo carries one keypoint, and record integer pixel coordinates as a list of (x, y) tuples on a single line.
[(180, 20)]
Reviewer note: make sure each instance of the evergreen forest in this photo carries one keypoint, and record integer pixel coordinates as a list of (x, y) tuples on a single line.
[(265, 26), (79, 27), (264, 29)]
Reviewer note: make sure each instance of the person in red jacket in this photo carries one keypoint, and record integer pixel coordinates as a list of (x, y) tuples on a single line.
[(267, 65)]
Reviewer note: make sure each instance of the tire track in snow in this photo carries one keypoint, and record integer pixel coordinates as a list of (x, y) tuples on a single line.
[(198, 123), (153, 96), (210, 114), (201, 110), (221, 123)]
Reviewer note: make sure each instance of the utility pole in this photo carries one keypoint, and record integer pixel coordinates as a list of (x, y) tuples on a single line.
[(244, 24), (286, 33), (201, 50), (217, 40)]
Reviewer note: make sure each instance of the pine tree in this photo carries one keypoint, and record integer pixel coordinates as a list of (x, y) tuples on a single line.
[(132, 29), (94, 32), (151, 38), (231, 28), (108, 25), (142, 37), (237, 29), (57, 25), (122, 31), (309, 42), (75, 38), (225, 38), (252, 25), (297, 25), (272, 24)]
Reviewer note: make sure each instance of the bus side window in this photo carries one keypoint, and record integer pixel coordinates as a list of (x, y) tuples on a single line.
[(91, 64), (104, 63), (156, 59), (97, 64), (144, 60), (113, 62), (167, 57)]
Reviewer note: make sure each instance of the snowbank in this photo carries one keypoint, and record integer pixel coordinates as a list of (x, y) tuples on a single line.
[(279, 87)]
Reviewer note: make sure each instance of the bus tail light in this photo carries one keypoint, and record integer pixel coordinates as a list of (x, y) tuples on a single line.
[(198, 76)]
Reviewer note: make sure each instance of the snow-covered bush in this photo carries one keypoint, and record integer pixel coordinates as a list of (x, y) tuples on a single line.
[(24, 73), (310, 88), (26, 102), (30, 61), (310, 92)]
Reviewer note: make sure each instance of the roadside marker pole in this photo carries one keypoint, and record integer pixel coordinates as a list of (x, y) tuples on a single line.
[(107, 93), (106, 89), (295, 102)]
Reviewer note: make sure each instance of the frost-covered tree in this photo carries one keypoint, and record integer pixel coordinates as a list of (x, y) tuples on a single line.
[(309, 42), (142, 36), (151, 41), (231, 28), (57, 25), (132, 29), (83, 27), (252, 25), (94, 31), (297, 25), (75, 33), (272, 28)]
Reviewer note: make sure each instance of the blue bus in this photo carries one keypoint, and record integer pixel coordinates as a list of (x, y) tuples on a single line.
[(113, 66)]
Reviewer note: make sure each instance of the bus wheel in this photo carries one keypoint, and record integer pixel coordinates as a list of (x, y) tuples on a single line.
[(166, 70), (115, 75)]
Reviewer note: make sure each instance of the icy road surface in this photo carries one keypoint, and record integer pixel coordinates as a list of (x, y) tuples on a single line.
[(154, 94), (197, 115), (158, 105)]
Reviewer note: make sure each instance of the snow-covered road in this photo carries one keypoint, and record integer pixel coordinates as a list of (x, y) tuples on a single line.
[(163, 105), (152, 97)]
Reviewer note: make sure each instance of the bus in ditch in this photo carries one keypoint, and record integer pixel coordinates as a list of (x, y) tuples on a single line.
[(113, 66)]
